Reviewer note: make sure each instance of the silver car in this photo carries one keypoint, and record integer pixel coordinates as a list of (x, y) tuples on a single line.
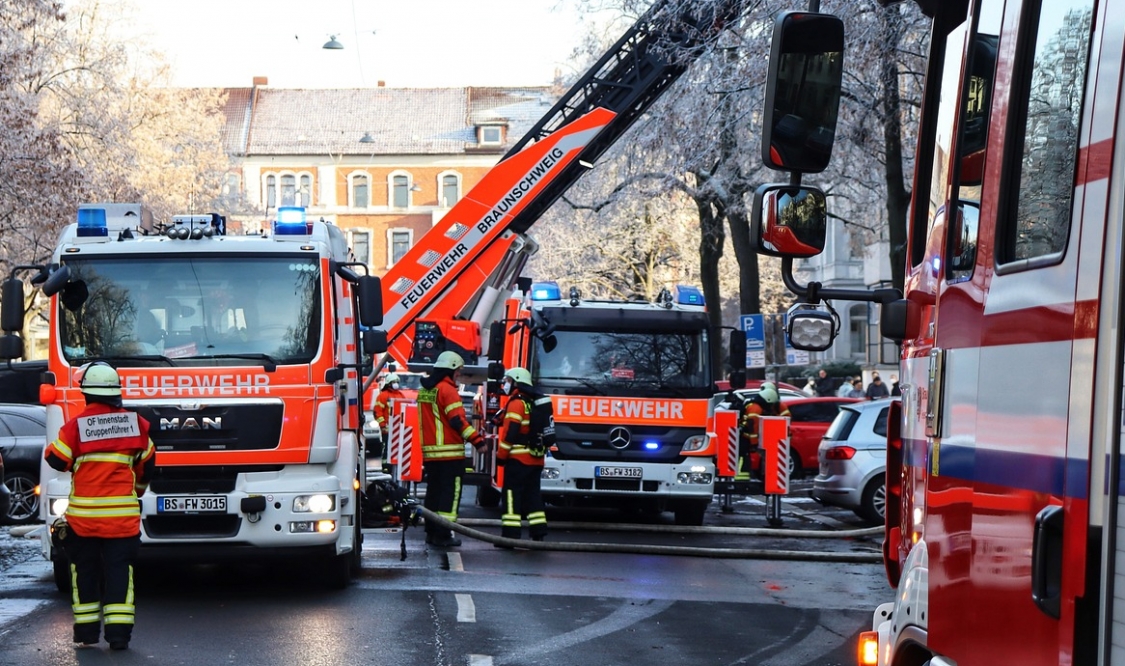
[(853, 460)]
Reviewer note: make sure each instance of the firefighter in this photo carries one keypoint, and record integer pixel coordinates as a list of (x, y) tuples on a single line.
[(445, 428), (522, 452), (384, 405), (108, 450), (764, 403)]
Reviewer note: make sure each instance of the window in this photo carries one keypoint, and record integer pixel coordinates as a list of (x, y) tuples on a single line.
[(398, 242), (289, 190), (305, 192), (450, 190), (360, 240), (857, 330), (490, 135), (1050, 101), (361, 196), (400, 191), (271, 192)]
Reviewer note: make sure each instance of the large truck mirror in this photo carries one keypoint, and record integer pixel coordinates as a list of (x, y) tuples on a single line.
[(374, 342), (11, 310), (370, 290), (737, 345), (788, 221), (803, 83), (11, 346), (56, 280), (495, 371), (496, 340)]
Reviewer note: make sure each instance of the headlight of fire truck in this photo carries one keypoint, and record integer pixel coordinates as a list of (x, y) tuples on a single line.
[(698, 474), (322, 503), (550, 473), (694, 443), (58, 506)]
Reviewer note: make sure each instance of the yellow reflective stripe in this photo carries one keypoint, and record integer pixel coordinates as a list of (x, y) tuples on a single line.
[(92, 607), (62, 448), (87, 618), (537, 518), (452, 406), (520, 448), (122, 512), (107, 456), (81, 500)]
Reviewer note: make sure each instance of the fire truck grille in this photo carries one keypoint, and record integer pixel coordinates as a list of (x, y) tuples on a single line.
[(201, 479), (619, 485), (248, 427), (609, 443), (192, 527)]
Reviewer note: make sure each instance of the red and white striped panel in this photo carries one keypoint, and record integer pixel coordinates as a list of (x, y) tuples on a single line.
[(773, 435)]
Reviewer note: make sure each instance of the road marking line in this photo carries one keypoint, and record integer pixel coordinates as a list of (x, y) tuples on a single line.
[(480, 660), (466, 609), (455, 561)]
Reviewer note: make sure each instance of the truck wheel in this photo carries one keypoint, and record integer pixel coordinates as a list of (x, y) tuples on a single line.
[(873, 506), (488, 497), (691, 512), (61, 569)]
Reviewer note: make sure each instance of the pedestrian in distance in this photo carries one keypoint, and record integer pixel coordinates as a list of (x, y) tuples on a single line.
[(845, 390), (876, 389), (895, 390), (824, 384), (857, 389), (522, 451), (444, 429), (110, 456)]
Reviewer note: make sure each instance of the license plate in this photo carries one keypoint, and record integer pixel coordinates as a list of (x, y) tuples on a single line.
[(194, 504), (618, 472)]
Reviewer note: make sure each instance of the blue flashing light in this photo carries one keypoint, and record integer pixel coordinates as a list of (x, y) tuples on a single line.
[(688, 295), (652, 446), (91, 222), (545, 291), (291, 221)]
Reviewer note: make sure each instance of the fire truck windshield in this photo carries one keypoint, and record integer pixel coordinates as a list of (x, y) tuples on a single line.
[(191, 311), (625, 359)]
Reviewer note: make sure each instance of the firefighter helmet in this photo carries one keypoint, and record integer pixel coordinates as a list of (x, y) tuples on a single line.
[(100, 379), (449, 360), (769, 394), (391, 378), (519, 376)]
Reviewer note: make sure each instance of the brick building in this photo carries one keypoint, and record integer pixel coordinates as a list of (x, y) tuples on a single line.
[(383, 164)]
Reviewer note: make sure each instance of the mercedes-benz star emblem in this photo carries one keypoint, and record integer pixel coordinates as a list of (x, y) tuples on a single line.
[(619, 438)]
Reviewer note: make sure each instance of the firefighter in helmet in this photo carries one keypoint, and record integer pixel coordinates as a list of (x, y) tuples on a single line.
[(385, 401), (444, 428), (109, 453), (522, 453), (765, 402)]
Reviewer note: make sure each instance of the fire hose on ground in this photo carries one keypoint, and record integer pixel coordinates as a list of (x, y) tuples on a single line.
[(650, 549)]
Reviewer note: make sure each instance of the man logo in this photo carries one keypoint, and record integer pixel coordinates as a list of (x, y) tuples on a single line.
[(192, 423)]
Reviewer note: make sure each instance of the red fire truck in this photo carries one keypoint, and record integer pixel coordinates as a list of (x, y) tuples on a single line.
[(1004, 465)]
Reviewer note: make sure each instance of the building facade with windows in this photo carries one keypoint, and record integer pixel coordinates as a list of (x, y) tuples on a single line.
[(383, 164)]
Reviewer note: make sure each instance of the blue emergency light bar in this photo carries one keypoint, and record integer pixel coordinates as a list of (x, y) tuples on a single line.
[(291, 221), (545, 291), (92, 222), (688, 295)]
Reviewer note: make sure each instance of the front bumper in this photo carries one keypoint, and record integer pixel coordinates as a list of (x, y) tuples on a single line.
[(692, 479)]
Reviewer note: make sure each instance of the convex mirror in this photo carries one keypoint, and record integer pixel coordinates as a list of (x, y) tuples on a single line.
[(788, 221)]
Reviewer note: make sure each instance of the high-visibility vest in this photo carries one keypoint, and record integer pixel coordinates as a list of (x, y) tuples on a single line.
[(517, 411), (438, 408)]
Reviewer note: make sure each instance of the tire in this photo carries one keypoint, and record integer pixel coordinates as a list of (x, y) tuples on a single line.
[(61, 570), (24, 508), (795, 469), (873, 506), (691, 512), (488, 497)]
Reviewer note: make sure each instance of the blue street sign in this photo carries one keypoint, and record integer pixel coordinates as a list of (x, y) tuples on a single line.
[(755, 332)]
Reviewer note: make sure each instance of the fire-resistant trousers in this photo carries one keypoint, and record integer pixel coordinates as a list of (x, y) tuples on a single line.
[(101, 582), (443, 493), (523, 498)]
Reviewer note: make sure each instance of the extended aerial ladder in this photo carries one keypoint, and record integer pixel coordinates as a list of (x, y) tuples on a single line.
[(464, 264)]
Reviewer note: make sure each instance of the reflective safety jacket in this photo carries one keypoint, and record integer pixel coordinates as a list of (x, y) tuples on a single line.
[(442, 421), (748, 424), (110, 456), (515, 433), (384, 406)]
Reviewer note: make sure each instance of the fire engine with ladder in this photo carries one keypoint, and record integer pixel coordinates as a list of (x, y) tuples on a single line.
[(1004, 520), (464, 275)]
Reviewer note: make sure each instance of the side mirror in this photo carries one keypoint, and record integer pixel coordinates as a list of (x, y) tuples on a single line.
[(496, 340), (374, 342), (737, 344), (56, 280), (370, 291), (495, 371), (11, 310), (788, 221), (803, 85), (11, 346)]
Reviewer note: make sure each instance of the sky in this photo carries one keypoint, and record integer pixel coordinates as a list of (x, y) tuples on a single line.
[(405, 43)]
